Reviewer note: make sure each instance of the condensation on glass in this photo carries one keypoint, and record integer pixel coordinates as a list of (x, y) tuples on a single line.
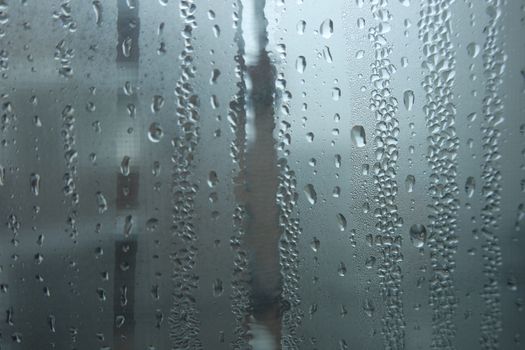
[(262, 174)]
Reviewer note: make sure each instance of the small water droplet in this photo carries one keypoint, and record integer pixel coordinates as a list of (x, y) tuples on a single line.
[(370, 262)]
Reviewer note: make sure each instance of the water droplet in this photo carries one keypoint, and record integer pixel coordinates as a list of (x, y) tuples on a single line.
[(341, 221), (368, 307), (34, 182), (408, 99), (337, 161), (315, 244), (102, 203), (213, 179), (470, 186), (336, 94), (155, 169), (218, 289), (155, 132), (2, 175), (418, 235), (301, 26), (311, 195), (361, 23), (128, 225), (157, 103), (152, 224), (327, 28), (126, 47), (124, 166), (358, 136), (310, 137), (300, 64), (97, 7), (215, 74), (410, 182), (370, 262), (341, 271), (473, 50)]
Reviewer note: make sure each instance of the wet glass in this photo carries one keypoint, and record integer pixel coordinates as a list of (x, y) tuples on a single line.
[(262, 174)]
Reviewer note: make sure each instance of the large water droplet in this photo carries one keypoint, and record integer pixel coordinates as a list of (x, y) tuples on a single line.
[(473, 50), (124, 166), (358, 136), (102, 203), (341, 271), (341, 221), (408, 99), (327, 28), (155, 132), (470, 186), (301, 26), (418, 235), (34, 182), (410, 181), (157, 103), (311, 195), (300, 64)]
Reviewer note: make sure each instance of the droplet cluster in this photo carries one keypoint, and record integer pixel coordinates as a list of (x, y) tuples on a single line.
[(385, 107), (494, 65), (440, 114), (184, 323)]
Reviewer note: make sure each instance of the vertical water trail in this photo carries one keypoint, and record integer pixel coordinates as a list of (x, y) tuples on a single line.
[(260, 177), (494, 64), (287, 197), (439, 64), (183, 318), (240, 296), (385, 107), (125, 246)]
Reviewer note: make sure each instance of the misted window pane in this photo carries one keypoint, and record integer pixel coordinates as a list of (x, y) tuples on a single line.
[(262, 174)]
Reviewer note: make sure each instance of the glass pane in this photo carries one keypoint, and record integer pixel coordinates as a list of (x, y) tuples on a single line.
[(262, 174)]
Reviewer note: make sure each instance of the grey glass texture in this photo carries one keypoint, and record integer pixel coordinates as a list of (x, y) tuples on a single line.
[(262, 174)]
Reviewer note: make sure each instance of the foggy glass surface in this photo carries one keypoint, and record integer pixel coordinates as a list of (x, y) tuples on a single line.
[(262, 174)]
